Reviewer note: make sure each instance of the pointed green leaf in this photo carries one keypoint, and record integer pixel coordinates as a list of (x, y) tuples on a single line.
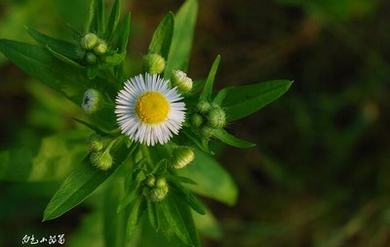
[(231, 140), (96, 17), (213, 181), (81, 182), (114, 223), (178, 215), (114, 19), (40, 64), (64, 58), (192, 201), (208, 86), (125, 33), (67, 49), (162, 37), (242, 101), (183, 35), (137, 208), (153, 214)]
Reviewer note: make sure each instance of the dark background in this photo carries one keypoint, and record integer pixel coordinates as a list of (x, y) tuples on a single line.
[(320, 173)]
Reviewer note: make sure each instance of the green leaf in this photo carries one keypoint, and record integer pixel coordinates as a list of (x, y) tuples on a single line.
[(137, 207), (208, 87), (64, 58), (125, 33), (213, 181), (82, 181), (96, 17), (162, 37), (153, 214), (62, 47), (208, 225), (242, 101), (192, 201), (178, 215), (231, 140), (114, 223), (114, 19), (40, 64), (182, 39)]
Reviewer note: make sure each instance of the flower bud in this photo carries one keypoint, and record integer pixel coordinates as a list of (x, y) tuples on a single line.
[(196, 120), (151, 181), (181, 81), (216, 117), (161, 183), (182, 156), (100, 48), (203, 106), (90, 58), (207, 131), (95, 143), (102, 160), (91, 101), (89, 41), (154, 63), (158, 194)]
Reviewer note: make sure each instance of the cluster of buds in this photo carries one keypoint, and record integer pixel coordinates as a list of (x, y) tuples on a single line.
[(156, 188), (208, 117), (99, 148), (94, 47)]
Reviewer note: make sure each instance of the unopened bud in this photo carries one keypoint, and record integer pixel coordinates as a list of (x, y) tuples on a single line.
[(89, 41), (151, 181), (217, 117), (161, 182), (91, 101), (101, 48), (207, 131), (181, 81), (90, 58), (154, 63), (182, 156), (203, 106), (95, 143), (158, 194), (196, 120), (102, 160)]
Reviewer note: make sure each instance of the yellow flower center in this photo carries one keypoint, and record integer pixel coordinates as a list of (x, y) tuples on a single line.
[(152, 108)]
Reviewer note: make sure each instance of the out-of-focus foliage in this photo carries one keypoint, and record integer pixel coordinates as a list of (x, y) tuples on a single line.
[(320, 174)]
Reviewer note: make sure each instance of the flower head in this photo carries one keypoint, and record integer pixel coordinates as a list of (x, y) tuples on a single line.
[(148, 110)]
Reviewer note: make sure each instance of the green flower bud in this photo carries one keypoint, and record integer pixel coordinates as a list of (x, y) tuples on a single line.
[(101, 48), (182, 156), (203, 106), (196, 120), (102, 160), (161, 183), (91, 58), (158, 194), (151, 181), (89, 41), (217, 117), (95, 143), (181, 81), (91, 101), (207, 131), (154, 63)]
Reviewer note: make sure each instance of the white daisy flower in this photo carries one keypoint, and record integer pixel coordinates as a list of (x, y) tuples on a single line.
[(148, 111)]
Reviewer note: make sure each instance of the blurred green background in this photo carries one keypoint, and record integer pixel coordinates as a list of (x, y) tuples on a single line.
[(320, 175)]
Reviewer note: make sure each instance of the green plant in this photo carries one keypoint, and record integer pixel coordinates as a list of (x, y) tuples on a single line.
[(148, 138)]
